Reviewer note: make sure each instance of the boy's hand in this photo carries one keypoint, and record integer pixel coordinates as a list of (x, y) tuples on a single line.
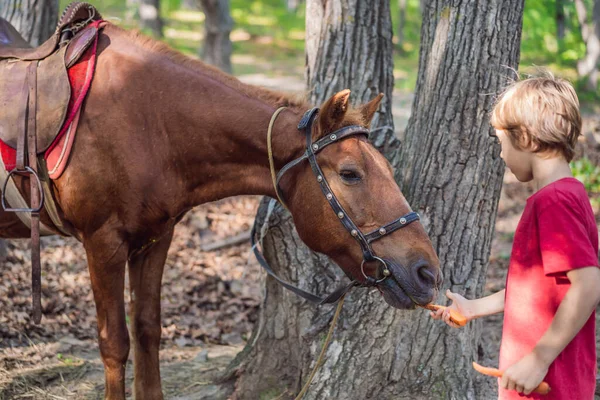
[(525, 375), (459, 304)]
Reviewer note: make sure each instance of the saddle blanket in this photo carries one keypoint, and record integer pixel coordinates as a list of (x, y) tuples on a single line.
[(57, 155)]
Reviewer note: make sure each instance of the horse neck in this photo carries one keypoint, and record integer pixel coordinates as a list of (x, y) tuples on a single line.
[(218, 135)]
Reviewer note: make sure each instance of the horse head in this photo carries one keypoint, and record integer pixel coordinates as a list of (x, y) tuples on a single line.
[(346, 204)]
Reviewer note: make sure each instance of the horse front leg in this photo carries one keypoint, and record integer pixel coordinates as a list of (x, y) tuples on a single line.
[(145, 276), (106, 260)]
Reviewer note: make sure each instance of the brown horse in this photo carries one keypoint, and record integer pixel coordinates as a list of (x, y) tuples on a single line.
[(161, 133)]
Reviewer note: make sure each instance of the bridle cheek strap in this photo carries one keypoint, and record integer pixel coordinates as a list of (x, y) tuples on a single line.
[(364, 240)]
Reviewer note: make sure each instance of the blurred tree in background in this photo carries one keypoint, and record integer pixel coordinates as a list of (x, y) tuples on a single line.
[(150, 17), (217, 27), (587, 67), (34, 19)]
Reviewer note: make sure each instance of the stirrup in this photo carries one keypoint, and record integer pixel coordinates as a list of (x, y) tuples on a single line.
[(30, 171)]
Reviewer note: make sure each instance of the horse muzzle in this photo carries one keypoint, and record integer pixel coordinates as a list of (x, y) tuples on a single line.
[(407, 287)]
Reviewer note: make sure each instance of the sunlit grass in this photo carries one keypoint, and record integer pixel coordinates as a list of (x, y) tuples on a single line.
[(187, 16), (195, 36)]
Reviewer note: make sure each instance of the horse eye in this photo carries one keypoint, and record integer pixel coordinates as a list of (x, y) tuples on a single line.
[(350, 176)]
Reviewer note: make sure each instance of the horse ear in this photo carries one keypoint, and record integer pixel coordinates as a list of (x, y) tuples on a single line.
[(333, 111), (369, 109)]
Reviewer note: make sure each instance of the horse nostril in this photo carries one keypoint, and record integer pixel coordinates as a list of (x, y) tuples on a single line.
[(425, 275)]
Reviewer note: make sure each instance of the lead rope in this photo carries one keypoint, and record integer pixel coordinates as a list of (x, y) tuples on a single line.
[(338, 310)]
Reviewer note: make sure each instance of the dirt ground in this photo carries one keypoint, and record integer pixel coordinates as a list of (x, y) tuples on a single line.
[(209, 301)]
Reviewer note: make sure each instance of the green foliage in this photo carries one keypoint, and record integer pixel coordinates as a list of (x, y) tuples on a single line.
[(267, 33), (406, 56), (589, 174), (268, 18), (66, 359)]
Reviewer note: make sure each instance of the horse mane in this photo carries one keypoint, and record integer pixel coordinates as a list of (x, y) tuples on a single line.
[(273, 97)]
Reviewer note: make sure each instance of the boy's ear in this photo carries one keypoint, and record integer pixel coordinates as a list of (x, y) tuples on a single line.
[(369, 109), (332, 112)]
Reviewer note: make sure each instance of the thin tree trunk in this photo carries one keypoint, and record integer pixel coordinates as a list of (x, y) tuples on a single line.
[(218, 25), (190, 5), (587, 67), (292, 5), (150, 17), (560, 20), (401, 23), (452, 175), (34, 19)]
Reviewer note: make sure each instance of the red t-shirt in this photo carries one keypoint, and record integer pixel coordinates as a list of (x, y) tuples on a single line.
[(557, 233)]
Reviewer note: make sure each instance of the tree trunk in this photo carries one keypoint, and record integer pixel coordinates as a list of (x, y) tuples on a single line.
[(150, 17), (34, 19), (190, 5), (218, 25), (452, 176), (561, 23), (292, 5), (466, 53), (401, 23), (587, 68)]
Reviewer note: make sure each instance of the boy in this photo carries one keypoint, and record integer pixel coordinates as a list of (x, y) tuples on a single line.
[(553, 282)]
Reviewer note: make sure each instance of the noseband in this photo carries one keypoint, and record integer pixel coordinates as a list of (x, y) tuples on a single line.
[(364, 240)]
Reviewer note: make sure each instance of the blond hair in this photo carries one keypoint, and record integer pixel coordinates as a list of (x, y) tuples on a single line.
[(540, 114)]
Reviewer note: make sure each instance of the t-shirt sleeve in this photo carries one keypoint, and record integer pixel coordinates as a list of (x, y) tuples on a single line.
[(565, 240)]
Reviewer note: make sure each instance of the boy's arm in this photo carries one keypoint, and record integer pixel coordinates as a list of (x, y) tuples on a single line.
[(574, 310), (471, 309), (492, 304)]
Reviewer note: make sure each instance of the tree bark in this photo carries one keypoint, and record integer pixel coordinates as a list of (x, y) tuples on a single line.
[(452, 176), (150, 17), (465, 52), (587, 68), (217, 27), (34, 19), (401, 23)]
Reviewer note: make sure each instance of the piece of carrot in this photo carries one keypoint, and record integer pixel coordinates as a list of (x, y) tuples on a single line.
[(543, 388), (455, 316)]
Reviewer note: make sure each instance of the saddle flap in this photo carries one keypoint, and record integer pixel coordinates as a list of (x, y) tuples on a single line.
[(53, 94), (13, 100), (79, 45)]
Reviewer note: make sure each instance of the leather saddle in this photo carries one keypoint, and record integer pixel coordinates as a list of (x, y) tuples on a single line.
[(51, 61), (34, 99)]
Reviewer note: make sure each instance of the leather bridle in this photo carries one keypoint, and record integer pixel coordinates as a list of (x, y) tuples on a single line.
[(364, 240)]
